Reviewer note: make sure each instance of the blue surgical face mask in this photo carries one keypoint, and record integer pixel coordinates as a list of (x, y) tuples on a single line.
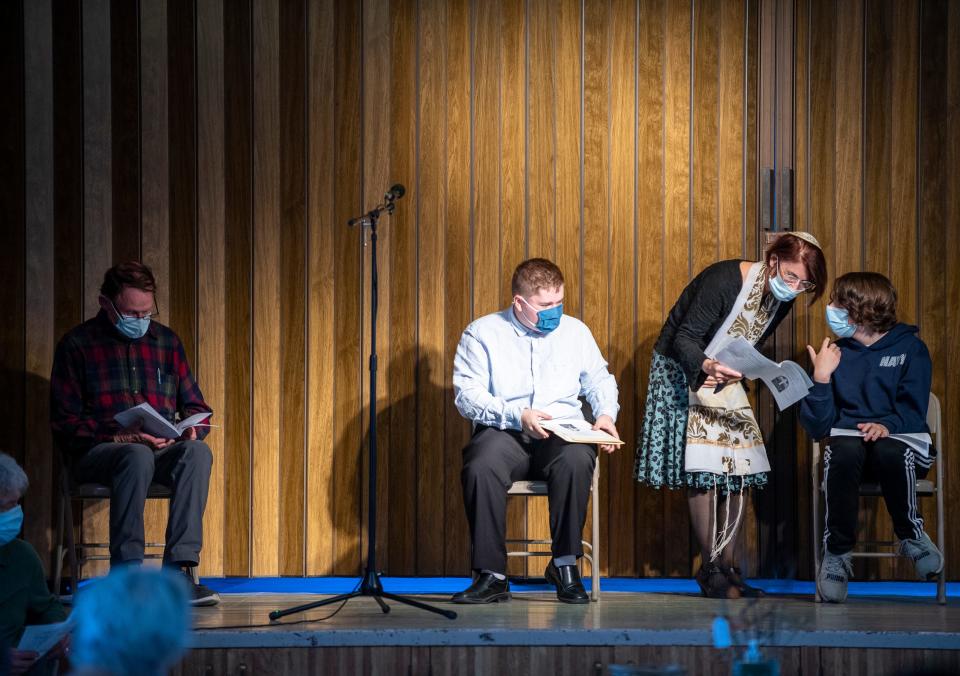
[(838, 318), (782, 291), (549, 319), (131, 327), (11, 521)]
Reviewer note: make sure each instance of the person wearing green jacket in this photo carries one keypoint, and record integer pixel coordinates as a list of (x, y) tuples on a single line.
[(24, 597)]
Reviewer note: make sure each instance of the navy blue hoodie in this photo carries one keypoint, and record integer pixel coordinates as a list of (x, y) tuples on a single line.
[(887, 382)]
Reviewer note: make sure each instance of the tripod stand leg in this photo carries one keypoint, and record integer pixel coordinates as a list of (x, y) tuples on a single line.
[(383, 606), (449, 614), (277, 614)]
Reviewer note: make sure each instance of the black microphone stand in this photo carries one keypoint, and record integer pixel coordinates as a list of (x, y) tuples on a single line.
[(370, 585)]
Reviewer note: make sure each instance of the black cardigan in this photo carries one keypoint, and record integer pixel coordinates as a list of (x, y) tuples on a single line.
[(698, 314)]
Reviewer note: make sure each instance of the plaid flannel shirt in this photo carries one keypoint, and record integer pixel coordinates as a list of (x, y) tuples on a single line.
[(97, 373)]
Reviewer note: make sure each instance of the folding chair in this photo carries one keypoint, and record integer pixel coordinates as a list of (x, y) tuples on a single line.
[(76, 552), (925, 488), (591, 549)]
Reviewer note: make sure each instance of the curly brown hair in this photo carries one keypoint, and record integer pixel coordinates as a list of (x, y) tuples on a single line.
[(869, 297), (534, 274)]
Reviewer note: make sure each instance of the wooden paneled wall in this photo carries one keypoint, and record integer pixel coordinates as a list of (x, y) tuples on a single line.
[(227, 144)]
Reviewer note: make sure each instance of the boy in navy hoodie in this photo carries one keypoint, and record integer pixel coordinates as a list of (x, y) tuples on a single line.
[(873, 382)]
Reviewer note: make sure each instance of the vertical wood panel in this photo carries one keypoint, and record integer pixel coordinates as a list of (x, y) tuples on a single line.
[(935, 155), (182, 232), (676, 230), (292, 252), (376, 179), (97, 252), (514, 223), (125, 131), (623, 248), (320, 306), (210, 366), (154, 148), (457, 276), (431, 216), (541, 124), (569, 158), (238, 216), (38, 273), (403, 293), (730, 152), (267, 230), (848, 82), (154, 185), (650, 549), (598, 32), (97, 146), (350, 289), (706, 123)]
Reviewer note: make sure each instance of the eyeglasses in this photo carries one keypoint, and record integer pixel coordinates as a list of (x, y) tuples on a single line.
[(795, 281), (138, 315)]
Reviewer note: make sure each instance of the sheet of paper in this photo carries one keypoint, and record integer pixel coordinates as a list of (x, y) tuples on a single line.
[(40, 638), (150, 421), (918, 441), (788, 382), (579, 431)]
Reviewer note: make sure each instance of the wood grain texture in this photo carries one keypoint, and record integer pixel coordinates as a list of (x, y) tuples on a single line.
[(321, 174), (598, 27), (210, 363), (292, 285), (377, 170), (514, 200), (402, 475), (38, 274), (618, 138), (676, 257), (349, 289), (618, 483), (431, 299), (457, 277), (125, 132), (97, 197), (650, 308), (267, 232), (238, 283)]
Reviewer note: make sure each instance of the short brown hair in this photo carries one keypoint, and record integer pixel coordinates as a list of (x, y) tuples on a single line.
[(535, 274), (787, 247), (869, 297), (131, 273)]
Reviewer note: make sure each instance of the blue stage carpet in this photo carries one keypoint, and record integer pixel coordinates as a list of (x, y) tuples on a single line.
[(450, 585)]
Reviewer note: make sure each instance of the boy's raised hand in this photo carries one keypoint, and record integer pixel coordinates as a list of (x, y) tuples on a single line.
[(825, 361)]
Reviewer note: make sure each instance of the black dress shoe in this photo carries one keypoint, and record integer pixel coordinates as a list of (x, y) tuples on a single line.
[(485, 589), (567, 581)]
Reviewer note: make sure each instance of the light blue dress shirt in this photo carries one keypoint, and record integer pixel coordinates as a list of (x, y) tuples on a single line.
[(502, 367)]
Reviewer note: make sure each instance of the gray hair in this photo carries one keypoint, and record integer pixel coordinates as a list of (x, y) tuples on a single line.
[(13, 480)]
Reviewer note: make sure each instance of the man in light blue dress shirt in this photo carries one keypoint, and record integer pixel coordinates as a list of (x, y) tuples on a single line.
[(513, 369)]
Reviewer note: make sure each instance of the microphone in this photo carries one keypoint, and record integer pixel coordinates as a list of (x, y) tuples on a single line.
[(395, 192)]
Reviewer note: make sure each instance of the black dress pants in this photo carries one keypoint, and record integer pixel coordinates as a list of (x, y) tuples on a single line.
[(493, 460), (848, 462), (128, 469)]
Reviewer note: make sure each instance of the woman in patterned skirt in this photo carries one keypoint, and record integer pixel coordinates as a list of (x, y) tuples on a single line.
[(699, 431)]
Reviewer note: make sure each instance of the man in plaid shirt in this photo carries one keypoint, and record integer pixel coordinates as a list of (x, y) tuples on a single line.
[(117, 360)]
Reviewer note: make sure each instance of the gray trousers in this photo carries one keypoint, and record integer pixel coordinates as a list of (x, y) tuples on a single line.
[(129, 469), (493, 460)]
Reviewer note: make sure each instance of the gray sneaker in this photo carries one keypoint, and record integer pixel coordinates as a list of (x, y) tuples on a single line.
[(927, 559), (835, 570)]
